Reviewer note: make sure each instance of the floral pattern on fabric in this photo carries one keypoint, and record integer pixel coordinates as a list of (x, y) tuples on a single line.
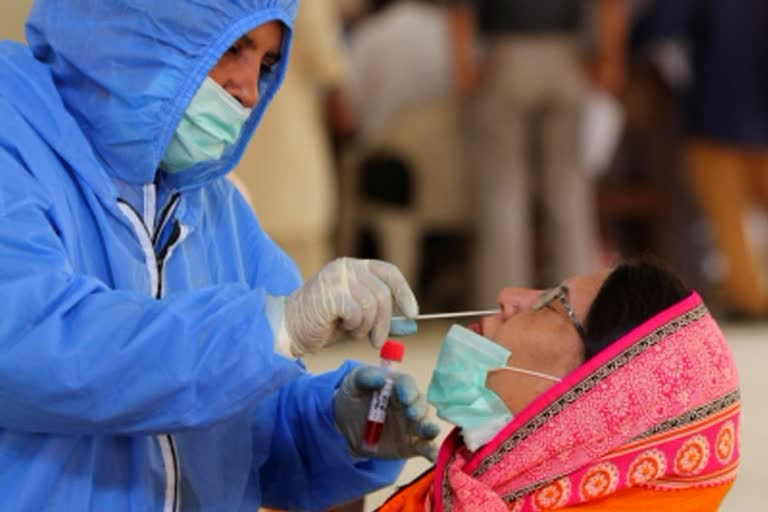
[(693, 456), (599, 481), (648, 466), (553, 496), (725, 443)]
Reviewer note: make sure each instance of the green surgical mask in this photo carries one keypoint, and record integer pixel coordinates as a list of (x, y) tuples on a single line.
[(211, 124), (458, 391)]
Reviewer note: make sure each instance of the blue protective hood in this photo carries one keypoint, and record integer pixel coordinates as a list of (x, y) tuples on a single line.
[(127, 70)]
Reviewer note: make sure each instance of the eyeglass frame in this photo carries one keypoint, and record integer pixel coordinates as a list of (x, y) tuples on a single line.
[(560, 292)]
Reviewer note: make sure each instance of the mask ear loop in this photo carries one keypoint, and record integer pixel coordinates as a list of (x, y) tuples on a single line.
[(528, 372), (228, 98)]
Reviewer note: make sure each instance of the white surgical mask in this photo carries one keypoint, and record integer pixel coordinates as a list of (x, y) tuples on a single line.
[(211, 124), (457, 388)]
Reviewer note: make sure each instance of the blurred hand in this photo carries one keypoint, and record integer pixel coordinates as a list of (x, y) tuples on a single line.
[(470, 79), (342, 121), (406, 432), (609, 75)]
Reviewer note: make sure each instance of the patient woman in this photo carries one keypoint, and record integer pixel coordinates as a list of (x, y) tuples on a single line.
[(614, 391)]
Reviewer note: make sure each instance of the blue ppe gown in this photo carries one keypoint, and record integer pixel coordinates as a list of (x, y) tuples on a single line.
[(137, 370)]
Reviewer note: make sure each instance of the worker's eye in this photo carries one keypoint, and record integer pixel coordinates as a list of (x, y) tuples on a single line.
[(233, 50), (269, 62)]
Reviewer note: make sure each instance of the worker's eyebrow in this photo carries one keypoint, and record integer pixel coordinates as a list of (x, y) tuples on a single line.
[(272, 57)]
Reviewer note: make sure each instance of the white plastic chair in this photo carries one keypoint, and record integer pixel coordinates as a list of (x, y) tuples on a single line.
[(429, 138)]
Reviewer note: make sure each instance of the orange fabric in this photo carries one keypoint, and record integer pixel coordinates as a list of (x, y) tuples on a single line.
[(411, 498), (701, 499)]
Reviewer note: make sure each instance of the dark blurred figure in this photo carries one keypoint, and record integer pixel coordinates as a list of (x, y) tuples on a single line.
[(523, 61), (726, 126), (644, 200)]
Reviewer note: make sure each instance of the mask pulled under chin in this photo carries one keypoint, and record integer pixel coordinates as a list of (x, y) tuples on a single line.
[(458, 391), (457, 388), (476, 437)]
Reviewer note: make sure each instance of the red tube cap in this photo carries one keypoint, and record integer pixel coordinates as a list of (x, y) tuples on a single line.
[(392, 350)]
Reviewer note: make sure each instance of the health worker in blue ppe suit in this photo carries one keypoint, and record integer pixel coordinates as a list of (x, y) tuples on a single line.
[(147, 318)]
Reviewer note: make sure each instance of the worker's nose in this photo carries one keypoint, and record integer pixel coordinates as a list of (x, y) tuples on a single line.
[(514, 300), (244, 82)]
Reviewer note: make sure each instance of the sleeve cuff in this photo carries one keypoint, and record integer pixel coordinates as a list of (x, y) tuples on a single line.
[(275, 311)]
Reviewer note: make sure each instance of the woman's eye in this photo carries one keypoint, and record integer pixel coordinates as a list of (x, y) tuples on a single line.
[(233, 50)]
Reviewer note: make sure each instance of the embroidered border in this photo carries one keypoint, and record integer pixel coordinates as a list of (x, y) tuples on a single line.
[(525, 491), (698, 414), (692, 416), (590, 382)]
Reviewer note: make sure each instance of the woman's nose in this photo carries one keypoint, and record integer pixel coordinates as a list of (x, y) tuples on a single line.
[(514, 300)]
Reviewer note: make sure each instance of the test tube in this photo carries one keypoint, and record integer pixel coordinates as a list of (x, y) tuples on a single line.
[(391, 354)]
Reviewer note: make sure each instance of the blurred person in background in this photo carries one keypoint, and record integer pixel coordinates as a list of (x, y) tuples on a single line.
[(400, 55), (727, 128), (351, 11), (290, 155), (522, 63), (644, 200), (407, 162)]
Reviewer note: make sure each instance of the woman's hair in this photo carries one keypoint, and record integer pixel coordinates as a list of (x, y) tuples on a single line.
[(633, 292)]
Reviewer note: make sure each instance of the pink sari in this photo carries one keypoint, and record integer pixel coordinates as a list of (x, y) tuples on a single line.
[(656, 410)]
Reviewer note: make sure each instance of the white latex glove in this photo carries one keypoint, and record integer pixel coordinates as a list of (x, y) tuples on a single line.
[(348, 297)]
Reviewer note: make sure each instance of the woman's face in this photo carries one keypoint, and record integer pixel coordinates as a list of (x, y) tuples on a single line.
[(544, 340), (239, 69)]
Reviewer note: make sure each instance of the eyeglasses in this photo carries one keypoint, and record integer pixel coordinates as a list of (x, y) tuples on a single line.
[(560, 292)]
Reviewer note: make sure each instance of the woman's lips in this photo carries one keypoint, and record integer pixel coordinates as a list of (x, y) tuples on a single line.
[(476, 327)]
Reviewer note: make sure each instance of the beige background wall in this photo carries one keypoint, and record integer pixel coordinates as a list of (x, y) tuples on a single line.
[(12, 16)]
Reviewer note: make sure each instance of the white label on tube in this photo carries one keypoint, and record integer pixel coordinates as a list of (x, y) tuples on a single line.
[(378, 410)]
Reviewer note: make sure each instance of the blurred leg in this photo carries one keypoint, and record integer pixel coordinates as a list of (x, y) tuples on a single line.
[(399, 237), (718, 176), (567, 196), (499, 170), (758, 177)]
